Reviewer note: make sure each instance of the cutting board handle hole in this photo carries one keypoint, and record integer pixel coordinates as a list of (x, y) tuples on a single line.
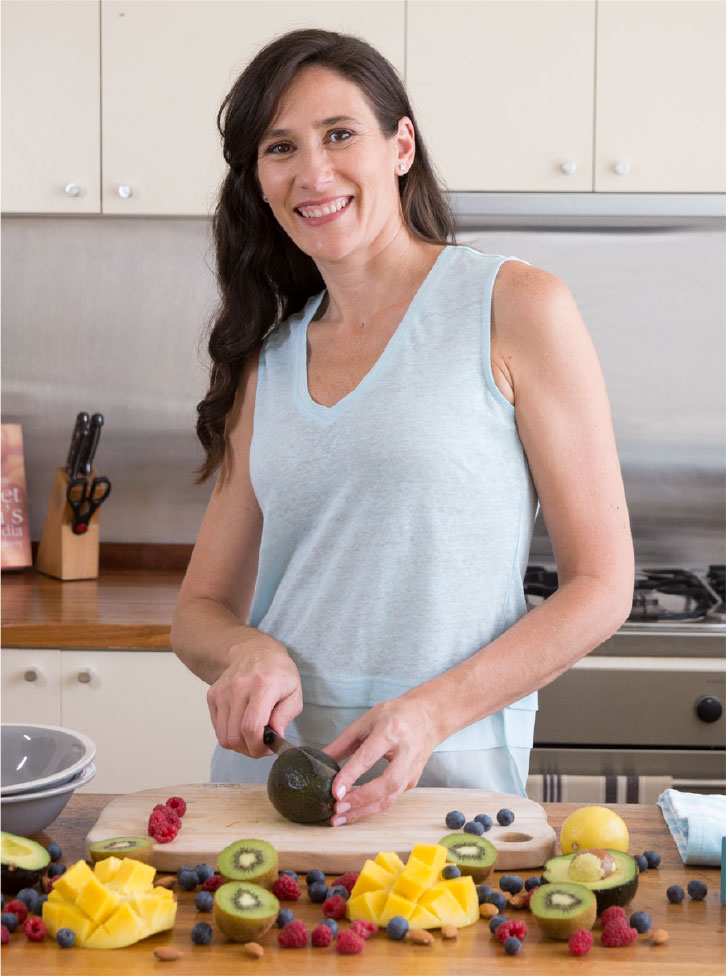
[(514, 838)]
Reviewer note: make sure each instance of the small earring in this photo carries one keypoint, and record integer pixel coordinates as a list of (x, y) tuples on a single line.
[(265, 198), (401, 168)]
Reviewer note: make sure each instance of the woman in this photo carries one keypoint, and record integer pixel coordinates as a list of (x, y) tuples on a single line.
[(385, 409)]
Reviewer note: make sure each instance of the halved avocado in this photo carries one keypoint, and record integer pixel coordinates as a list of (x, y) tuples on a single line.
[(299, 789), (617, 888), (23, 862)]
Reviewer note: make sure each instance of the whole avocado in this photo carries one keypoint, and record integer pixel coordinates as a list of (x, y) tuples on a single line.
[(299, 789)]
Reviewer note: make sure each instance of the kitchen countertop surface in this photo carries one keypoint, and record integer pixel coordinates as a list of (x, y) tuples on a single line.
[(697, 929), (122, 608)]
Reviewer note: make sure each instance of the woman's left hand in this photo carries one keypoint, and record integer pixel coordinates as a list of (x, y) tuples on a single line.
[(399, 731)]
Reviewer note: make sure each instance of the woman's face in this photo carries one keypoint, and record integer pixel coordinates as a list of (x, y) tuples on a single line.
[(330, 176)]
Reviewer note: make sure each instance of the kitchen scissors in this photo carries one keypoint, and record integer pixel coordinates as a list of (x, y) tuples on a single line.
[(85, 498)]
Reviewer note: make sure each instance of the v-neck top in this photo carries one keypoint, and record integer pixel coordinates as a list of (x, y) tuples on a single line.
[(397, 522)]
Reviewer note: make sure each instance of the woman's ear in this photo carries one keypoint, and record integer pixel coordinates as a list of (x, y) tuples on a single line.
[(405, 146)]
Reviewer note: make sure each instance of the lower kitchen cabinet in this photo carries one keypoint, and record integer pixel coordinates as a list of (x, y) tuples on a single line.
[(144, 710)]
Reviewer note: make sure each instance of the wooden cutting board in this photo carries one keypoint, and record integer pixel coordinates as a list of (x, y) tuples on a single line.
[(219, 813)]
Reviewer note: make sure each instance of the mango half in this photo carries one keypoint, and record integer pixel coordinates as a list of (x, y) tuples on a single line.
[(387, 887), (110, 907)]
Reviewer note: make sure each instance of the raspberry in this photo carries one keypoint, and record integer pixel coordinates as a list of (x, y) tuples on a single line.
[(349, 942), (580, 942), (169, 813), (5, 934), (165, 834), (334, 907), (618, 933), (364, 928), (512, 927), (347, 880), (294, 935), (177, 805), (528, 897), (35, 929), (612, 913), (322, 936), (286, 888), (17, 907), (211, 884)]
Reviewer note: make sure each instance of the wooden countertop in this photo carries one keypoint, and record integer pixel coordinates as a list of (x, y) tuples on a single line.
[(122, 608), (697, 929)]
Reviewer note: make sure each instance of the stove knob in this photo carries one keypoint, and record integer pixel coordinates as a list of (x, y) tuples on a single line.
[(708, 708)]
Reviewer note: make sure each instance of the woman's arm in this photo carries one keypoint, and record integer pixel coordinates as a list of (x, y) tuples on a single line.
[(253, 680), (546, 364)]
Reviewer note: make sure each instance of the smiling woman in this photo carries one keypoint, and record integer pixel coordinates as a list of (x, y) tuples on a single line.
[(386, 409)]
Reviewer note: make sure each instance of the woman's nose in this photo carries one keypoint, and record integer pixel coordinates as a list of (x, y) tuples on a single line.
[(315, 168)]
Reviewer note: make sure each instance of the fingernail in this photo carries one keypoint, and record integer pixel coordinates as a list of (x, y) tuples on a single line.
[(341, 792), (338, 821), (342, 807)]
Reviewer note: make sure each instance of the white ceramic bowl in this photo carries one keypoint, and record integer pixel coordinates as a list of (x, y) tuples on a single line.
[(35, 757), (27, 813)]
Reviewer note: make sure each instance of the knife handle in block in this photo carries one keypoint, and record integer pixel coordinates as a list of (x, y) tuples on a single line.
[(62, 553)]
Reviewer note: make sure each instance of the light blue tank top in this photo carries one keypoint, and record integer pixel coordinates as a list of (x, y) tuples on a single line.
[(397, 523)]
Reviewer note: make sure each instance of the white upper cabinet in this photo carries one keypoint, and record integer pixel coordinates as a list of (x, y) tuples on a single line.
[(661, 97), (51, 126), (167, 65), (503, 91)]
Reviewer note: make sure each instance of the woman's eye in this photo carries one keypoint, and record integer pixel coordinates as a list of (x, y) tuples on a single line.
[(278, 148), (340, 135)]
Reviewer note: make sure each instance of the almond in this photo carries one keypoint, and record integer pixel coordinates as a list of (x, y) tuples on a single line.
[(253, 949), (487, 910), (420, 937), (658, 937), (168, 954), (165, 881), (449, 932), (518, 901)]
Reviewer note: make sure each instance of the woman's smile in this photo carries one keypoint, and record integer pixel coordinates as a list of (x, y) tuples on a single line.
[(316, 212)]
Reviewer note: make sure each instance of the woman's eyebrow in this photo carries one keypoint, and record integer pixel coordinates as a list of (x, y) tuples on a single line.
[(322, 124)]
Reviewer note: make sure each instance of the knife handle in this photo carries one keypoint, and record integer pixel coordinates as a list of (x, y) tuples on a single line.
[(77, 438), (91, 443)]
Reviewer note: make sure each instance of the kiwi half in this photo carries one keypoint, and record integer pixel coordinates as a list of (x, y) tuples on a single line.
[(140, 848), (254, 861), (472, 854), (244, 912), (562, 908)]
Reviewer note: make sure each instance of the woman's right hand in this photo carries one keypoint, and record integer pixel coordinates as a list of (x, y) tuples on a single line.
[(261, 686)]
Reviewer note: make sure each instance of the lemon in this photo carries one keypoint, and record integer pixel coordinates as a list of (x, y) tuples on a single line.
[(594, 827)]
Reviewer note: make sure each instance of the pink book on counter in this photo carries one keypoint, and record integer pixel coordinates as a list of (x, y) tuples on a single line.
[(15, 547)]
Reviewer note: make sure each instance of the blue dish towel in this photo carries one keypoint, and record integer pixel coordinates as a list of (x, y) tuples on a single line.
[(697, 822)]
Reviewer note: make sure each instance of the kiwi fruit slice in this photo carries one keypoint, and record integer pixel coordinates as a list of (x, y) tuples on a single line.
[(562, 908), (243, 911), (472, 854), (140, 848), (254, 861)]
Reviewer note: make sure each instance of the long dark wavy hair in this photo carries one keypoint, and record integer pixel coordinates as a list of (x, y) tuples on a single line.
[(263, 276)]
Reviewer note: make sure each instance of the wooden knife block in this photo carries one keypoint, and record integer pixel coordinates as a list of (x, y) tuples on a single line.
[(62, 553)]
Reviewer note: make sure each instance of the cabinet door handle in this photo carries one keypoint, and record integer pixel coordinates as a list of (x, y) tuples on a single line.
[(569, 168), (85, 675), (73, 189), (125, 191), (622, 168), (33, 673)]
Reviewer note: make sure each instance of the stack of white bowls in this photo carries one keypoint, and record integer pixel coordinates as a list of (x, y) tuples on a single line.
[(41, 767)]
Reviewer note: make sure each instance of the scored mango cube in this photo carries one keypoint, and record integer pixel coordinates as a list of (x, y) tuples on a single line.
[(372, 878), (422, 918), (432, 854), (463, 889), (369, 905), (106, 869), (133, 875), (390, 861), (395, 905), (122, 928), (444, 905), (415, 878), (75, 879), (97, 901)]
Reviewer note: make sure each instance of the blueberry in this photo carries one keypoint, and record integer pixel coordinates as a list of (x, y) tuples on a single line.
[(512, 945), (202, 933), (642, 861), (511, 883), (56, 870), (675, 894), (640, 921), (332, 925), (204, 871), (55, 852), (187, 879), (9, 920), (483, 891), (532, 882), (455, 820), (397, 927), (318, 891), (293, 874), (312, 876), (284, 916), (204, 901), (29, 897), (451, 871), (498, 899), (485, 820), (65, 938), (339, 890), (697, 890), (39, 904), (496, 922), (505, 817), (652, 857), (474, 827)]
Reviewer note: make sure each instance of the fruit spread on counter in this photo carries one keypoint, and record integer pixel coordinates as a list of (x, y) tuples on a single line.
[(119, 900)]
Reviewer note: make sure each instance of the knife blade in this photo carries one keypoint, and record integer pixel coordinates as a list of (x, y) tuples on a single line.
[(279, 745), (90, 444), (80, 433)]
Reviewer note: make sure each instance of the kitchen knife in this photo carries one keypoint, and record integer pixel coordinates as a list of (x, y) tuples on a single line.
[(80, 433), (279, 745), (90, 444)]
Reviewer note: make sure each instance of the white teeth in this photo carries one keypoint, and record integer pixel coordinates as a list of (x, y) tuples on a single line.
[(329, 208)]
